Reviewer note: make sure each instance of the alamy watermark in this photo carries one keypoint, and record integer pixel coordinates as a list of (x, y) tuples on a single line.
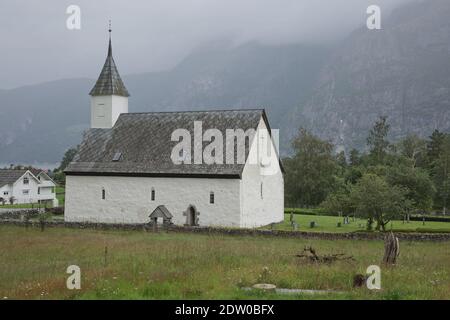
[(255, 147), (374, 20), (373, 281), (74, 280), (73, 22)]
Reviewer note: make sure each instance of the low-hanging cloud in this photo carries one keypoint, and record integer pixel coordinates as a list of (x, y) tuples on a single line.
[(151, 35)]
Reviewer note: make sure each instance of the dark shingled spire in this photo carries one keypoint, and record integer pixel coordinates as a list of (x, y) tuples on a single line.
[(109, 81)]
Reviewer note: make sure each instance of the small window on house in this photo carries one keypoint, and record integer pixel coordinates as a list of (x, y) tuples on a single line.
[(211, 197), (103, 194), (117, 156), (25, 192), (5, 193), (26, 181), (39, 190), (153, 194)]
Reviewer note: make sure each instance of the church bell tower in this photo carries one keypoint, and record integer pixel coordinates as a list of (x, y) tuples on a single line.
[(109, 97)]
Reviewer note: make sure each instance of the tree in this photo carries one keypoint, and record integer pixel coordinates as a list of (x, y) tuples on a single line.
[(441, 174), (341, 161), (435, 146), (67, 158), (376, 200), (377, 140), (311, 171), (355, 158), (413, 148), (416, 182), (339, 201)]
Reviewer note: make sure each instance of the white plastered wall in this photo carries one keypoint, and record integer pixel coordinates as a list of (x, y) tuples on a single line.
[(105, 110), (260, 210), (128, 199)]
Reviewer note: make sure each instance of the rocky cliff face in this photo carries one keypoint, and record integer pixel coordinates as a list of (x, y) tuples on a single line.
[(402, 71)]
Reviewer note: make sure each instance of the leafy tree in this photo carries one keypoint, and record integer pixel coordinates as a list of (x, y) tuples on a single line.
[(311, 171), (67, 158), (435, 146), (417, 184), (355, 158), (413, 148), (341, 161), (376, 200), (377, 140), (441, 175), (339, 201)]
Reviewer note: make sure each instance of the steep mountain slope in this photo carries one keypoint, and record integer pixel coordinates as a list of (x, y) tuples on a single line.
[(402, 71)]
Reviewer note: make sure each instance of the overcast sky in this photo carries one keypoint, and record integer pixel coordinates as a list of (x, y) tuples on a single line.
[(150, 35)]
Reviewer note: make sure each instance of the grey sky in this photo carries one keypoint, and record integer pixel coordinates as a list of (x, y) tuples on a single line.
[(150, 35)]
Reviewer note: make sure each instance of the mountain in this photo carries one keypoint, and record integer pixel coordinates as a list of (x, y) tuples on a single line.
[(401, 71), (39, 122)]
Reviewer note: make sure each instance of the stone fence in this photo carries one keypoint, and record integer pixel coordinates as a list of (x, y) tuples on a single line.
[(236, 231)]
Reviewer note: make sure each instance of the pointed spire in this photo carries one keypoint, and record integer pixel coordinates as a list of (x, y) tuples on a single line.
[(110, 46), (109, 81)]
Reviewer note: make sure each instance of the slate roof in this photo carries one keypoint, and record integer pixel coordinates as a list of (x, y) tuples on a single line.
[(9, 176), (144, 141), (109, 81), (161, 211)]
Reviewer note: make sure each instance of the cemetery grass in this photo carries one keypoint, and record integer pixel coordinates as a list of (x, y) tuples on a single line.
[(329, 224), (140, 265)]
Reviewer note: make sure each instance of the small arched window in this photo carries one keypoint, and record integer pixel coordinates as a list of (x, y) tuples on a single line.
[(211, 197), (103, 194), (153, 194)]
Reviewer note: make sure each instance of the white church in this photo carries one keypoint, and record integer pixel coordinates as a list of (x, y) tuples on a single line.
[(130, 167)]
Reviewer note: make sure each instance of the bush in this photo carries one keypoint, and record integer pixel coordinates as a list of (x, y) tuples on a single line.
[(305, 211), (57, 211)]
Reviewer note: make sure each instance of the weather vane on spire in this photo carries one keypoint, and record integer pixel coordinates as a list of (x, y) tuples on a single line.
[(109, 30)]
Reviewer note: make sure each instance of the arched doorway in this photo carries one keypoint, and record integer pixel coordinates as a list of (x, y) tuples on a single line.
[(191, 215)]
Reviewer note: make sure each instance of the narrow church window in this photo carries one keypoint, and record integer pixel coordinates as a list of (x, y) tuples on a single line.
[(261, 190), (153, 194), (103, 194), (211, 197)]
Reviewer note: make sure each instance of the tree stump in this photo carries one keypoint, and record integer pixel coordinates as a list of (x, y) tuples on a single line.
[(391, 249)]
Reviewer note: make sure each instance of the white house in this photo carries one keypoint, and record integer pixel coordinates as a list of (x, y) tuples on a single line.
[(130, 164), (27, 186)]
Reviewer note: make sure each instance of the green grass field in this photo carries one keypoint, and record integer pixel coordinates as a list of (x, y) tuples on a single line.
[(329, 224), (143, 265)]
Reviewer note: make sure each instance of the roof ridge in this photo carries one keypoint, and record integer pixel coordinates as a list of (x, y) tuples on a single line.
[(193, 111)]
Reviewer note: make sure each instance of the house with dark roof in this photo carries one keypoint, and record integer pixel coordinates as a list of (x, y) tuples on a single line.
[(26, 186), (206, 168)]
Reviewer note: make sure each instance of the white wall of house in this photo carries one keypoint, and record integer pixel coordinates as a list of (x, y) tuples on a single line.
[(105, 110), (32, 192), (128, 199), (262, 191), (26, 192)]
